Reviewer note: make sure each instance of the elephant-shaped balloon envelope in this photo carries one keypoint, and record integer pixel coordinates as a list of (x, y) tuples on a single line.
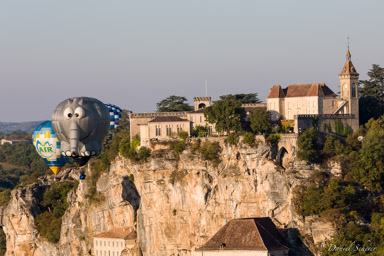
[(81, 124)]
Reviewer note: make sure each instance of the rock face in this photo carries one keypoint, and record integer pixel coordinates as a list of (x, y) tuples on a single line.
[(176, 203)]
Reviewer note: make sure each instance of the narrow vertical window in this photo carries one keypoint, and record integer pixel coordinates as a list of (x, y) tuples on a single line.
[(353, 90)]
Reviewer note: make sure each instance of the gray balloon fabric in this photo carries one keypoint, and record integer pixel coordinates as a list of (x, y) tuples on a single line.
[(81, 124)]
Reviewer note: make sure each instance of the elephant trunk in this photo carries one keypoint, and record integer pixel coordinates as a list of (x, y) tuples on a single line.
[(74, 136)]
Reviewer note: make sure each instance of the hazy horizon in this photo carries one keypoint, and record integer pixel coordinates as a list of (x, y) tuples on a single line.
[(134, 54)]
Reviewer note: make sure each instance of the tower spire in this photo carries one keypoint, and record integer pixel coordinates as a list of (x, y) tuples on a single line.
[(348, 52)]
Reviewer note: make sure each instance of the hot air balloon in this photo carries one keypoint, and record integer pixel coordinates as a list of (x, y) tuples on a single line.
[(114, 115), (81, 124), (48, 146)]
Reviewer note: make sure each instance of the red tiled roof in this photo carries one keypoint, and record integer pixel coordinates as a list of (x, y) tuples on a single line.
[(276, 92), (246, 234), (302, 90), (167, 119), (119, 233)]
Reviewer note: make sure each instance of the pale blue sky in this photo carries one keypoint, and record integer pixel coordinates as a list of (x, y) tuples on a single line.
[(135, 53)]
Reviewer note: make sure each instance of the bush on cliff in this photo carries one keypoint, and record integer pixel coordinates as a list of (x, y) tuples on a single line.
[(211, 151), (53, 207)]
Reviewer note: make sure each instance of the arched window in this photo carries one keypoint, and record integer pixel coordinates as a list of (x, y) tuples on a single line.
[(354, 90), (201, 105)]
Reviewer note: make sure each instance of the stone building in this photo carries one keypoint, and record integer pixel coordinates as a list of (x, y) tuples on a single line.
[(163, 125), (113, 242), (302, 103), (245, 237)]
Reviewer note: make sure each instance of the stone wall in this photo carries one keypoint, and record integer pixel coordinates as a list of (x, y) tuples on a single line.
[(303, 122)]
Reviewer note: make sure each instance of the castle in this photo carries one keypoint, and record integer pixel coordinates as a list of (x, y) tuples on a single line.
[(302, 103), (298, 104)]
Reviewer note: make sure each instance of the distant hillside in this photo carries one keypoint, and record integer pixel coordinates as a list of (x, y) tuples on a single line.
[(8, 127)]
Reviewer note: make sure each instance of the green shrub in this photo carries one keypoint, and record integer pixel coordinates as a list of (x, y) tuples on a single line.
[(347, 130), (339, 127), (329, 146), (199, 131), (135, 142), (308, 146), (144, 153), (125, 146), (232, 139), (5, 197), (249, 138), (272, 139), (183, 135), (131, 178), (53, 207), (211, 150), (196, 144), (178, 147), (174, 212)]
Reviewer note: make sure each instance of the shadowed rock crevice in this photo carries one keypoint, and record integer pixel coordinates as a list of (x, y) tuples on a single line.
[(130, 193)]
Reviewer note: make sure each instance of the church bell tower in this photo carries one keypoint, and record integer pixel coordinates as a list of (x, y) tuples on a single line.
[(349, 90)]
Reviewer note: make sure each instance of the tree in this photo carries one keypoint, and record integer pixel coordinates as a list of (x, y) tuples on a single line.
[(242, 98), (371, 102), (173, 104), (308, 146), (228, 115), (260, 121), (370, 172)]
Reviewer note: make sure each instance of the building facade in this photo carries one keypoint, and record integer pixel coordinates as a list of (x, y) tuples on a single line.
[(113, 242), (302, 103)]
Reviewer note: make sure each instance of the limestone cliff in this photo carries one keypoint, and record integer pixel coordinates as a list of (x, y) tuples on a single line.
[(175, 202)]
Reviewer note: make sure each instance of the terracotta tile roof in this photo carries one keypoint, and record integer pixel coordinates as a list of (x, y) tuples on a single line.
[(302, 90), (276, 92), (167, 119), (246, 234), (119, 233)]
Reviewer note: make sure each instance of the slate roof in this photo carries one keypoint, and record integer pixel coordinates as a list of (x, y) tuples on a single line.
[(119, 233), (167, 119), (246, 234)]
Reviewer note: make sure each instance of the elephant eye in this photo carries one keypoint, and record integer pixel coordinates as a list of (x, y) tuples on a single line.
[(79, 112), (68, 113)]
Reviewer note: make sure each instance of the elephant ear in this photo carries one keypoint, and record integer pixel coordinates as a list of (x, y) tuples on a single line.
[(69, 102)]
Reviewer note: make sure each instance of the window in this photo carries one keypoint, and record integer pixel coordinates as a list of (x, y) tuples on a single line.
[(158, 130), (121, 244), (168, 130), (201, 118), (96, 242), (105, 244), (333, 103), (113, 244), (97, 253), (109, 243), (354, 90)]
